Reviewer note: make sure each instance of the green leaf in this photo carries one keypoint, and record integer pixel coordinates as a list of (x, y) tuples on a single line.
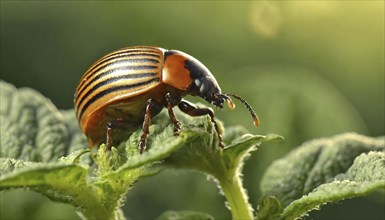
[(10, 164), (269, 208), (76, 139), (184, 215), (326, 170), (232, 133), (31, 128), (35, 138), (74, 157), (202, 153), (62, 178), (98, 193), (69, 181), (161, 142), (292, 102), (366, 175)]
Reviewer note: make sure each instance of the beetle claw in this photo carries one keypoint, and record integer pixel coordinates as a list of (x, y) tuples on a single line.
[(176, 131), (142, 146), (177, 128)]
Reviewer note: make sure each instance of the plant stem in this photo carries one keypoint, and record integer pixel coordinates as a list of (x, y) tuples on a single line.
[(237, 198)]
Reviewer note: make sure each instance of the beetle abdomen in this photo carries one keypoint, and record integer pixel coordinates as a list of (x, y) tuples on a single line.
[(119, 75)]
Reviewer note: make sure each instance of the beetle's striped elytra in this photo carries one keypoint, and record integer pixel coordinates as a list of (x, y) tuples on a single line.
[(126, 88), (126, 71)]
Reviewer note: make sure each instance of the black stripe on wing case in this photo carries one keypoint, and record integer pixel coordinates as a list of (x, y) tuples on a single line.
[(111, 80), (106, 73), (111, 90)]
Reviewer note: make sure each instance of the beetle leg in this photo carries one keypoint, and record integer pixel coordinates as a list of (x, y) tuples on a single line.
[(109, 135), (171, 102), (175, 121), (192, 110), (111, 126), (146, 124)]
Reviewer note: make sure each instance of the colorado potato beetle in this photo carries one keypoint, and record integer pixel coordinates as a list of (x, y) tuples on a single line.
[(127, 87)]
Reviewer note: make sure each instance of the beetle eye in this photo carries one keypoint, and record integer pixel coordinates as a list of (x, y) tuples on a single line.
[(197, 82), (203, 88)]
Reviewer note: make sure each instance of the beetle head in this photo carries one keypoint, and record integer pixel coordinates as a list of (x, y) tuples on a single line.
[(186, 73), (205, 85), (201, 82)]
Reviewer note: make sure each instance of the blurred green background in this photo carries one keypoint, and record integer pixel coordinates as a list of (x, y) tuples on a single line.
[(310, 69)]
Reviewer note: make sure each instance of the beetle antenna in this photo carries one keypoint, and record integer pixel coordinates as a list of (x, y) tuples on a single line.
[(247, 105), (229, 102)]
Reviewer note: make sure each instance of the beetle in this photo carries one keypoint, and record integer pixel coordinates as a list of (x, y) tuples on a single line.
[(126, 88)]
